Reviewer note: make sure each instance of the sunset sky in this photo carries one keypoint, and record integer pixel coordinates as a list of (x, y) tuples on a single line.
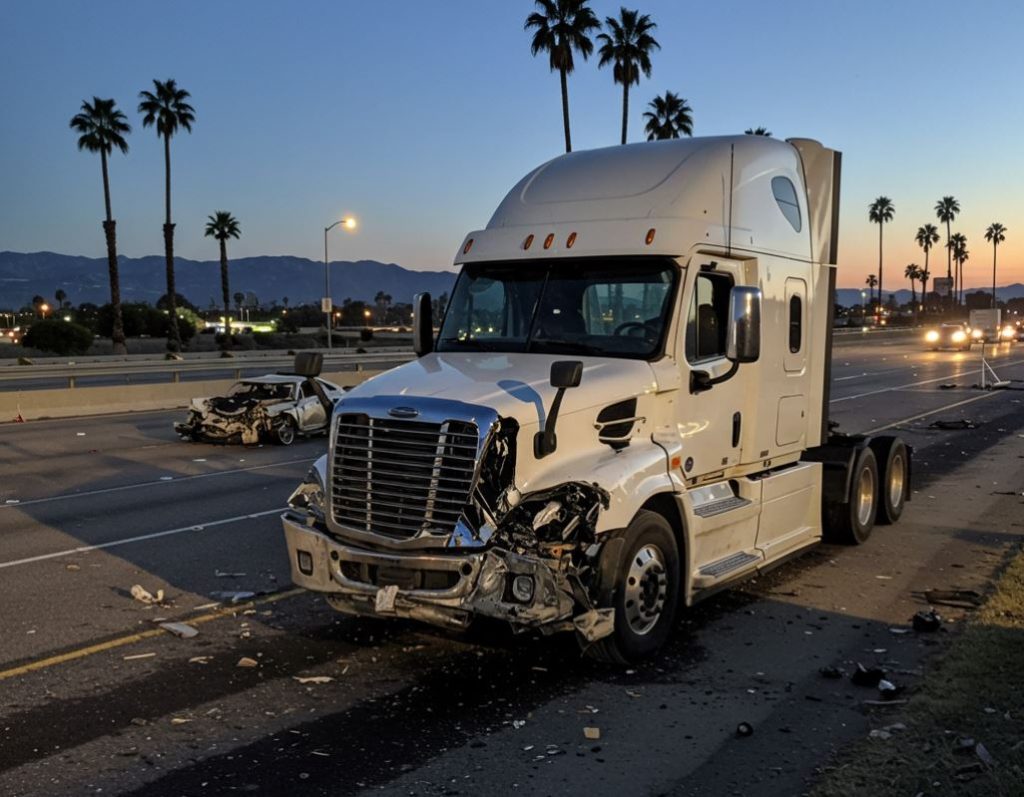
[(418, 117)]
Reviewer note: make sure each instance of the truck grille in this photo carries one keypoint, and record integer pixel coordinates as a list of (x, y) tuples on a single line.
[(401, 478)]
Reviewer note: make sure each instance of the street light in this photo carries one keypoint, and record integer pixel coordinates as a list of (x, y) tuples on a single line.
[(348, 223)]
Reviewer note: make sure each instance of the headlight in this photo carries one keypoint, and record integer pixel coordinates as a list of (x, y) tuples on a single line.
[(309, 496), (1008, 332), (959, 336), (977, 334), (932, 336)]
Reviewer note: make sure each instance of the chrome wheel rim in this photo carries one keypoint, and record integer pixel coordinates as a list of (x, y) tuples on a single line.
[(865, 497), (896, 477), (646, 587), (285, 433)]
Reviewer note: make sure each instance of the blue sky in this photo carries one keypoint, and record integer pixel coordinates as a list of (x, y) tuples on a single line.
[(417, 117)]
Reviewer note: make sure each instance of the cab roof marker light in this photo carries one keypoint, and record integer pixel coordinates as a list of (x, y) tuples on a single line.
[(549, 240), (467, 247), (570, 240), (650, 237), (528, 242)]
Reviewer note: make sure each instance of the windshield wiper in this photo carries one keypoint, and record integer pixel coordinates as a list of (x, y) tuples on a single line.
[(468, 343)]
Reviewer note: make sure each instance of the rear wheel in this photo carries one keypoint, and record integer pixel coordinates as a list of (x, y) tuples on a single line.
[(640, 579), (895, 483), (284, 431), (851, 523)]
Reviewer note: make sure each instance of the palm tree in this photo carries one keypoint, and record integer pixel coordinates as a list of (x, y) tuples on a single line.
[(881, 211), (911, 272), (962, 256), (222, 225), (996, 234), (947, 209), (560, 27), (60, 296), (758, 131), (957, 244), (926, 237), (628, 48), (670, 117), (102, 127), (167, 109), (871, 282), (923, 278)]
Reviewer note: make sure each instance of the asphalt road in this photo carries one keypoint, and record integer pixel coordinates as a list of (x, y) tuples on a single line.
[(93, 696)]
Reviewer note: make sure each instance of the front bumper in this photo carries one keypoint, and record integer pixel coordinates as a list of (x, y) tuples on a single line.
[(446, 590)]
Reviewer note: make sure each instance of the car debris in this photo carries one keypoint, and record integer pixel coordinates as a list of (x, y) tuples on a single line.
[(136, 656), (867, 676), (247, 662), (591, 733), (183, 630), (888, 690), (951, 426), (224, 574), (744, 729), (313, 679), (143, 595), (831, 672), (272, 408), (232, 596), (927, 621), (957, 598)]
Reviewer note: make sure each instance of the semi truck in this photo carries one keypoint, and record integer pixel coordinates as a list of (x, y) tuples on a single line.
[(623, 410)]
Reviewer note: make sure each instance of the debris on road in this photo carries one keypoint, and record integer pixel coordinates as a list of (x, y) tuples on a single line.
[(899, 631), (830, 672), (72, 568), (888, 690), (591, 733), (984, 755), (200, 660), (143, 595), (183, 630), (952, 426), (225, 574), (958, 598), (138, 656), (313, 679), (179, 720), (864, 676), (947, 386), (245, 661), (927, 621), (233, 596), (744, 729)]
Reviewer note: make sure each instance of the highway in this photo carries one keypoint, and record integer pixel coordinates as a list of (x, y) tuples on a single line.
[(95, 696)]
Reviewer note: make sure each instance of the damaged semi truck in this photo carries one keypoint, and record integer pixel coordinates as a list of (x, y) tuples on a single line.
[(625, 409)]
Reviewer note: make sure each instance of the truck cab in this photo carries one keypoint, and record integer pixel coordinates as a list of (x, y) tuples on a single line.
[(624, 408)]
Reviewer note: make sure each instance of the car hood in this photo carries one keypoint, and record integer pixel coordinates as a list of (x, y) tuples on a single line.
[(514, 385)]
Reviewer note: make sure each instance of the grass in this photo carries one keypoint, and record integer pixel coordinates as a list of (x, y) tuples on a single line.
[(982, 669)]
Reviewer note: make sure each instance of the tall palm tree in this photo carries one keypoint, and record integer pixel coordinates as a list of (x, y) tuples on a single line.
[(872, 283), (926, 237), (911, 272), (670, 117), (961, 256), (947, 209), (60, 296), (560, 27), (222, 225), (166, 108), (923, 278), (995, 234), (628, 48), (881, 211), (758, 131), (957, 245), (102, 127)]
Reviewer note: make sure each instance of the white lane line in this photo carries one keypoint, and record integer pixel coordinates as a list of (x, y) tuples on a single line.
[(194, 527), (922, 382), (844, 378), (174, 480), (932, 412)]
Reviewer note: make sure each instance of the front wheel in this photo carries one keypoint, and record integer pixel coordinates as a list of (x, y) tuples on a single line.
[(284, 431), (640, 579)]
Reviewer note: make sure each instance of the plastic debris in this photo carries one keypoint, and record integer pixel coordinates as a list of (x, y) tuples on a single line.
[(899, 631), (313, 679), (879, 734), (233, 596), (591, 733), (958, 598), (864, 676), (138, 656), (72, 568), (183, 630), (143, 595), (947, 386), (927, 621), (385, 601), (517, 724), (888, 690), (984, 755), (245, 661), (830, 672), (950, 426), (179, 720), (744, 729), (225, 574), (200, 660)]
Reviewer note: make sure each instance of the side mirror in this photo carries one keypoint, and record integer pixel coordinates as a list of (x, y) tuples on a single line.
[(422, 325), (743, 337), (309, 364), (564, 374)]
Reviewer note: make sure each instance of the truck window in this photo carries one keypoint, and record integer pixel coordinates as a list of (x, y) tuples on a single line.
[(785, 196), (708, 317), (795, 324)]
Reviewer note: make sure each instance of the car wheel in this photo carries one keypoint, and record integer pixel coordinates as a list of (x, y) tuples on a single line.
[(284, 431), (640, 579), (851, 523), (895, 483)]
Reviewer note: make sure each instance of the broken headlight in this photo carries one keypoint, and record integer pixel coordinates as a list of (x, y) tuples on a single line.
[(309, 496)]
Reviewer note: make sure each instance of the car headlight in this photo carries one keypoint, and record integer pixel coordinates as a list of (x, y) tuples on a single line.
[(309, 496), (932, 336), (1008, 332), (977, 334), (959, 336)]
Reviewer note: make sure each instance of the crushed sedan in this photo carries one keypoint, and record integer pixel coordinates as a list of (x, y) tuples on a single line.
[(273, 408)]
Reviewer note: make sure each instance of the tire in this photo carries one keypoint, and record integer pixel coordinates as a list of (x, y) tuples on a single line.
[(640, 578), (284, 432), (851, 523), (894, 484)]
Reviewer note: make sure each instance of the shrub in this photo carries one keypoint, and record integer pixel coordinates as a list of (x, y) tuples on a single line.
[(58, 337), (365, 334)]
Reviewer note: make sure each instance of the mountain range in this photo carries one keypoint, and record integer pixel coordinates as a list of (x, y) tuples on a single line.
[(270, 278), (848, 297)]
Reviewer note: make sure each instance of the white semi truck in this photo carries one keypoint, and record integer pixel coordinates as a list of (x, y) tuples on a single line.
[(625, 409)]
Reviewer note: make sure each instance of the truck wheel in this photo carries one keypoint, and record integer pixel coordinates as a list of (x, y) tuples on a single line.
[(642, 575), (895, 484), (851, 523), (284, 431)]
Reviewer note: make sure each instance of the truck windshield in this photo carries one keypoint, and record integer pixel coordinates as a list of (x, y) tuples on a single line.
[(609, 307)]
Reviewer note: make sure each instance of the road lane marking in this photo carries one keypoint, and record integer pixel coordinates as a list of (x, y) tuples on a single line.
[(922, 382), (932, 412), (131, 639), (844, 378), (141, 537), (161, 480)]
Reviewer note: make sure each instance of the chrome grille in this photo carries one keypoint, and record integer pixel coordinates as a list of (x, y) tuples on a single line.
[(401, 478)]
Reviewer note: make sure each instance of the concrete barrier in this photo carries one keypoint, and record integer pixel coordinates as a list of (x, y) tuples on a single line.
[(32, 405)]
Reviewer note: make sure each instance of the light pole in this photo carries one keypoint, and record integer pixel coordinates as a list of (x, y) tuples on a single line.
[(350, 224)]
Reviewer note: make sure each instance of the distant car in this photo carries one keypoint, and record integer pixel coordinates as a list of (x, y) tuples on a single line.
[(949, 336), (274, 408), (11, 334)]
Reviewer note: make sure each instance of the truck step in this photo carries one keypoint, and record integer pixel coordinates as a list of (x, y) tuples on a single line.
[(728, 564), (717, 507)]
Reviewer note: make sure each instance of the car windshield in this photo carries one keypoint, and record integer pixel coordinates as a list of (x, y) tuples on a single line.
[(262, 391), (609, 307)]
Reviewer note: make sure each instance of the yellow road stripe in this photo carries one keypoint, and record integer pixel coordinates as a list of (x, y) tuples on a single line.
[(81, 653)]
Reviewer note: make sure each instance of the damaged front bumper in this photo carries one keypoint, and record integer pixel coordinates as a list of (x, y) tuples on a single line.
[(441, 589)]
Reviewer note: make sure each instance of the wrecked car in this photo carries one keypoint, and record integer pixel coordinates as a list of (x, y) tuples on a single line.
[(625, 408), (273, 408)]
